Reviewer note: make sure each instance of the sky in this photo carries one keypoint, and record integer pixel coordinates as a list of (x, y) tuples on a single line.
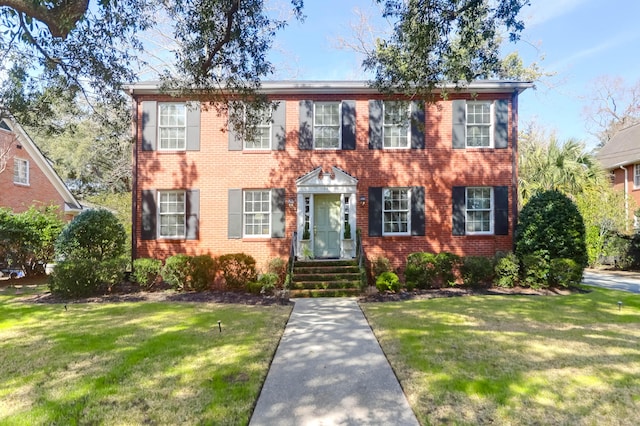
[(579, 41)]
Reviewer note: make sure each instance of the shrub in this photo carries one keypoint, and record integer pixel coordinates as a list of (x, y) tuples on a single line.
[(278, 267), (564, 273), (551, 222), (93, 235), (176, 271), (388, 281), (476, 271), (379, 265), (535, 269), (446, 266), (237, 269), (202, 271), (83, 278), (507, 270), (421, 270), (266, 283), (146, 271)]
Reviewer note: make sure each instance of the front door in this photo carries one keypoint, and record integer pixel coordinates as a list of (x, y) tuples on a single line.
[(326, 219)]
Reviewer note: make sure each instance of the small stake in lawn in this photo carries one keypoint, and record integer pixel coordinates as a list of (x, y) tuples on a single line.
[(619, 305), (220, 326)]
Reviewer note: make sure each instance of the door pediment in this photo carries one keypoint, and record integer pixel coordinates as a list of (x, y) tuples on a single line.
[(335, 180)]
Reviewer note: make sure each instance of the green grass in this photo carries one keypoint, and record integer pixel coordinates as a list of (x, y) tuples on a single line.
[(134, 363), (506, 360)]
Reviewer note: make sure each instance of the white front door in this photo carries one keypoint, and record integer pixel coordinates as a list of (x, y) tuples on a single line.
[(326, 219)]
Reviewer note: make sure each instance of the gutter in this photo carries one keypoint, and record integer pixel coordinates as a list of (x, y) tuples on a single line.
[(514, 165), (626, 196), (134, 175)]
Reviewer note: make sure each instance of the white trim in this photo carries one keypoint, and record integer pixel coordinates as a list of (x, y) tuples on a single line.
[(244, 213), (407, 123), (258, 126), (26, 167), (492, 207), (315, 103), (636, 176), (184, 215), (491, 125), (408, 211), (161, 126)]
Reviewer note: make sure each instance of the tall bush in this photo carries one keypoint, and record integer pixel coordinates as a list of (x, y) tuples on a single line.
[(93, 235), (238, 270), (421, 270), (476, 271), (507, 271), (177, 271), (146, 271)]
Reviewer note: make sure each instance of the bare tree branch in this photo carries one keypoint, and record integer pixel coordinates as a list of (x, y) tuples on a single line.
[(206, 65)]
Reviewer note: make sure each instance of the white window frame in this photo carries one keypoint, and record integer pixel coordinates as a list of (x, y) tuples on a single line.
[(489, 125), (245, 214), (407, 211), (317, 126), (490, 210), (175, 126), (391, 126), (176, 213), (265, 124), (20, 171), (636, 176)]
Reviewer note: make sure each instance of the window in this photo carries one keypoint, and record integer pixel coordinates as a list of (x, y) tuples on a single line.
[(21, 171), (257, 213), (261, 137), (479, 208), (479, 129), (326, 125), (396, 211), (396, 125), (172, 126), (636, 176), (171, 214)]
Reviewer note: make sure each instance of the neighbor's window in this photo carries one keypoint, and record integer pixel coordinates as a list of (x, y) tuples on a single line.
[(171, 214), (479, 210), (172, 126), (21, 171), (257, 213), (326, 125), (261, 137), (396, 125), (636, 176), (396, 211), (479, 124)]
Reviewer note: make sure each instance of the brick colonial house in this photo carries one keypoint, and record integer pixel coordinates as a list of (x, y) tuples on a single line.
[(28, 179), (334, 155), (621, 157)]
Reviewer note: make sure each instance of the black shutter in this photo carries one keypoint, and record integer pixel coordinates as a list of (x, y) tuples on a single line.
[(501, 133), (375, 212), (148, 229), (149, 125), (235, 214), (417, 211), (417, 125), (376, 117), (277, 213), (193, 126), (349, 125), (278, 127), (235, 139), (193, 214), (459, 199), (501, 210), (459, 120), (306, 125)]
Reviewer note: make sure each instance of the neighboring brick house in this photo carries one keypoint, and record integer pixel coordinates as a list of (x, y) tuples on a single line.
[(440, 177), (27, 178), (621, 157)]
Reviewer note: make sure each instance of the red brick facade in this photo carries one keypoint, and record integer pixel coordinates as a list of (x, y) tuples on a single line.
[(42, 187), (214, 169)]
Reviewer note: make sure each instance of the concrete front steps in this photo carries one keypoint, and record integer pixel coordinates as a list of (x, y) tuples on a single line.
[(325, 278)]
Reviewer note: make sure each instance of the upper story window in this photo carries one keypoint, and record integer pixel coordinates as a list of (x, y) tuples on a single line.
[(636, 176), (479, 210), (261, 135), (171, 214), (21, 171), (257, 213), (172, 126), (326, 125), (396, 211), (479, 124), (396, 125)]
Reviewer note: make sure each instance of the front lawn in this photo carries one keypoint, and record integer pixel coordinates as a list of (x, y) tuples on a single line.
[(508, 360), (134, 363)]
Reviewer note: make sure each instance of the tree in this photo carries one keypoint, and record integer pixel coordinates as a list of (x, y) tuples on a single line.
[(614, 106), (435, 42)]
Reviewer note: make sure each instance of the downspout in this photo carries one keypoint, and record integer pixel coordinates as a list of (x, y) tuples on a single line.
[(134, 175), (626, 198), (514, 164)]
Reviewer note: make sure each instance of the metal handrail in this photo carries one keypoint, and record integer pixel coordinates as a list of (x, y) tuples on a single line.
[(293, 252), (360, 254)]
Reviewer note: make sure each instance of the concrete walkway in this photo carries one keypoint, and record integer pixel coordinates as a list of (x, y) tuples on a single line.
[(329, 370)]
